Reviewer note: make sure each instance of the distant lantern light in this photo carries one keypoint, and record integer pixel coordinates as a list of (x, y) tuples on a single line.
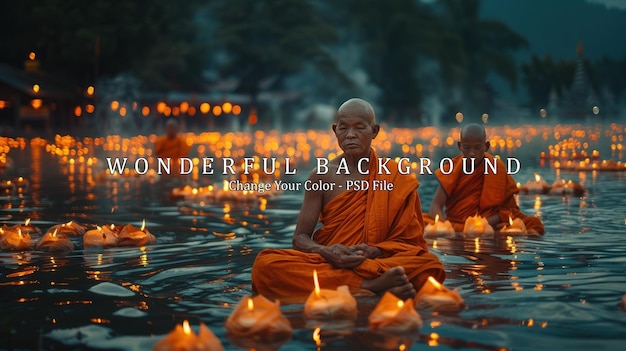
[(227, 107), (543, 113), (134, 105), (205, 108), (485, 118), (175, 111), (115, 105), (236, 110), (89, 108), (36, 88), (32, 56), (252, 119), (184, 107), (90, 90), (145, 111), (459, 117), (36, 103), (123, 111), (217, 110), (167, 111), (596, 110), (161, 107), (191, 111), (78, 111)]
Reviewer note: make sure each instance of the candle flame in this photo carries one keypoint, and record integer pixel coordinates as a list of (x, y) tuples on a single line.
[(537, 178), (27, 221), (186, 327), (316, 336), (19, 232), (112, 226), (400, 303), (436, 218), (250, 304), (143, 225), (69, 223), (402, 347), (317, 283), (99, 228), (435, 283), (225, 185), (510, 220), (54, 233)]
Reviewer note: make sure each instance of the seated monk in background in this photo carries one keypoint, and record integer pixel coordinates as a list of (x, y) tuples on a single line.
[(172, 146), (488, 195), (370, 240)]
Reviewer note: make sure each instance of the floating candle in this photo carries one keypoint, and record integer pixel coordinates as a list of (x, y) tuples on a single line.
[(133, 236), (516, 226), (27, 228), (538, 186), (476, 225), (100, 237), (439, 228), (54, 242), (68, 229), (330, 304), (437, 297), (7, 187), (21, 184), (183, 338), (258, 318), (566, 188), (15, 241), (391, 314)]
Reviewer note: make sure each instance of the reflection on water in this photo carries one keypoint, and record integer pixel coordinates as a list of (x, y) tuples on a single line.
[(559, 291)]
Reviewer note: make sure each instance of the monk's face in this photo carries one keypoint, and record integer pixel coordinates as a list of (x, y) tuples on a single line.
[(354, 134), (473, 146), (171, 130)]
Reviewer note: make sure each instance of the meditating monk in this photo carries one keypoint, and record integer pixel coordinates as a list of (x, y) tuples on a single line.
[(370, 240), (172, 146), (489, 195)]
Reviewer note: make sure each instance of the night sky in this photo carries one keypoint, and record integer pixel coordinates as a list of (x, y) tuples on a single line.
[(553, 27)]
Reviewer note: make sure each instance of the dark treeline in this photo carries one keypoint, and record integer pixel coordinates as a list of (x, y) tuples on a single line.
[(405, 55)]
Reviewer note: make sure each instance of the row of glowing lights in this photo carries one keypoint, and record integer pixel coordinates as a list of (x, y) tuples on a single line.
[(293, 144)]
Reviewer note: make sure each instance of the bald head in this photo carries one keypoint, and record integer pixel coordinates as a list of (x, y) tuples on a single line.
[(171, 128), (473, 131), (473, 141), (356, 107), (355, 127)]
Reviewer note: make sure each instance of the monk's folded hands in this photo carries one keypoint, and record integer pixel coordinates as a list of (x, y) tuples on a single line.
[(341, 256), (367, 250)]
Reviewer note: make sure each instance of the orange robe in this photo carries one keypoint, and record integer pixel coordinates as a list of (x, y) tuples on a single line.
[(173, 148), (483, 194), (389, 220)]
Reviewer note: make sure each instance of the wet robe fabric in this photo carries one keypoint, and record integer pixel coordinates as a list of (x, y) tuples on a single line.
[(389, 220), (483, 194)]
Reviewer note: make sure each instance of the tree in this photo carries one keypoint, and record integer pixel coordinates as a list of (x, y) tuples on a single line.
[(541, 76), (82, 40), (268, 40), (487, 46), (395, 36)]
